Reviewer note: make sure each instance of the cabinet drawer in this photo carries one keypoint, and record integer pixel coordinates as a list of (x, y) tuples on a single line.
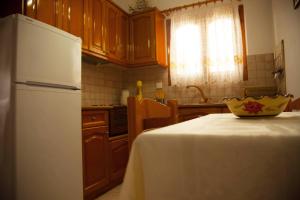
[(93, 130), (92, 118)]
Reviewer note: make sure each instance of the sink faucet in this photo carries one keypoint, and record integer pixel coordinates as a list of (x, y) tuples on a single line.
[(205, 99)]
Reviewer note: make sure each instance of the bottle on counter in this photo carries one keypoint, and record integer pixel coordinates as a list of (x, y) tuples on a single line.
[(159, 93), (139, 94)]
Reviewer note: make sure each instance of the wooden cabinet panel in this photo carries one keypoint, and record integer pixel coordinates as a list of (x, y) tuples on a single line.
[(116, 33), (104, 158), (160, 39), (86, 18), (69, 17), (123, 37), (118, 159), (95, 159), (111, 29), (46, 11), (31, 8), (42, 10), (107, 32), (93, 118), (147, 39), (96, 24), (75, 14), (142, 36)]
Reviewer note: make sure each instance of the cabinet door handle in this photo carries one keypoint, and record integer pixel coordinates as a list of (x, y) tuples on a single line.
[(148, 43), (93, 118)]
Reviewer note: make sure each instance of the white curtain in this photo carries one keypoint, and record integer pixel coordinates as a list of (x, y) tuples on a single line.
[(206, 45)]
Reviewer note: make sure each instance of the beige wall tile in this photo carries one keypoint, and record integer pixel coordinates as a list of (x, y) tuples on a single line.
[(103, 84)]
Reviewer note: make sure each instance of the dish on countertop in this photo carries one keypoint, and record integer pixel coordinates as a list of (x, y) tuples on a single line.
[(258, 106)]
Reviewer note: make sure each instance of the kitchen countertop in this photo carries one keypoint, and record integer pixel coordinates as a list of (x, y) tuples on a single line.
[(101, 107), (202, 105)]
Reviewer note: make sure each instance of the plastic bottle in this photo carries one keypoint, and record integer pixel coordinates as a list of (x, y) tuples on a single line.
[(159, 93)]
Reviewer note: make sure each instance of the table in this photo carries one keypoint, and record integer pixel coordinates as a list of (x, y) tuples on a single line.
[(217, 157)]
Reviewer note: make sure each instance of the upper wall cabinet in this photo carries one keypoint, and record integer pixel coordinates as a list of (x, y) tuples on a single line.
[(111, 14), (45, 11), (123, 37), (69, 16), (116, 33), (96, 26), (64, 14), (147, 39), (107, 29), (107, 32)]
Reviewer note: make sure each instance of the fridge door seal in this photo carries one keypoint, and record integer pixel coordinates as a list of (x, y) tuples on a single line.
[(50, 85)]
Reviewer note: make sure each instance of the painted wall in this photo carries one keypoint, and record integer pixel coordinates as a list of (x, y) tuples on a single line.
[(122, 3), (287, 27), (259, 26)]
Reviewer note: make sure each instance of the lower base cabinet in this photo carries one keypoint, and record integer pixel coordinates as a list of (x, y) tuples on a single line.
[(118, 159), (95, 159), (104, 158)]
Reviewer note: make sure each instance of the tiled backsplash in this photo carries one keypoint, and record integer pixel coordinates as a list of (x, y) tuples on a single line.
[(103, 84), (260, 69)]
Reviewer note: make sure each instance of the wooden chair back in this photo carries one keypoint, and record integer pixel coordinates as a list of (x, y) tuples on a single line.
[(295, 105), (147, 114)]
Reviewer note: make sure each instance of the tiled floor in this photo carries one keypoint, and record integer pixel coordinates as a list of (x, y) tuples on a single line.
[(111, 195)]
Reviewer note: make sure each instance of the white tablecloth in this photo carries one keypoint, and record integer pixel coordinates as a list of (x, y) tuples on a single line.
[(217, 157)]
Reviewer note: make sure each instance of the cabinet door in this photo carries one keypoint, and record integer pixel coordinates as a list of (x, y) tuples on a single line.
[(96, 38), (42, 10), (72, 17), (123, 37), (118, 159), (142, 38), (85, 37), (95, 159), (111, 27)]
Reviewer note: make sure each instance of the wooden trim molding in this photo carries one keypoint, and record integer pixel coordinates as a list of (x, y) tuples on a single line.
[(170, 10), (242, 20), (168, 32)]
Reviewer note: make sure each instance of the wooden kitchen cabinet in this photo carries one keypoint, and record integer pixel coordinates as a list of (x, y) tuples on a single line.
[(95, 159), (111, 14), (119, 152), (95, 147), (123, 37), (116, 32), (107, 32), (104, 156), (42, 10), (147, 39), (96, 30), (70, 15)]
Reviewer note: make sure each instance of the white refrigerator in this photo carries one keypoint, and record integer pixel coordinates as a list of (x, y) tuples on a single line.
[(40, 112)]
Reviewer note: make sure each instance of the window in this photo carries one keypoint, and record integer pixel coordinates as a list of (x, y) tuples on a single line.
[(206, 46)]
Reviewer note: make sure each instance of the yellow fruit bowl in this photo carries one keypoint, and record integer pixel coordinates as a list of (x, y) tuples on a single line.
[(258, 106)]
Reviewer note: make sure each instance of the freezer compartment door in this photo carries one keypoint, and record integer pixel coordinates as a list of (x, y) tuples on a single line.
[(48, 144), (46, 54)]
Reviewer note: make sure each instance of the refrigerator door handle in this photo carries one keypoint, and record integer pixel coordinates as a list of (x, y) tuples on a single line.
[(51, 85)]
